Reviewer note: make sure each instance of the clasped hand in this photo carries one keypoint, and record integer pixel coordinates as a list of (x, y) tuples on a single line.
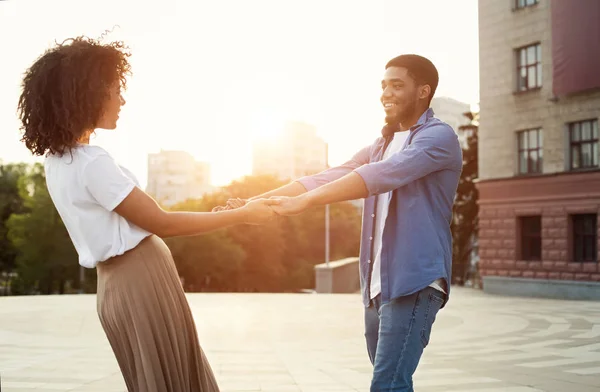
[(262, 210)]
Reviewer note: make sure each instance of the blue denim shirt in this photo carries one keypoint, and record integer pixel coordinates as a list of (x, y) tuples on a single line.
[(422, 178)]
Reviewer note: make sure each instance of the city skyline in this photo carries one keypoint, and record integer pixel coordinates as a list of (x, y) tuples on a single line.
[(204, 75)]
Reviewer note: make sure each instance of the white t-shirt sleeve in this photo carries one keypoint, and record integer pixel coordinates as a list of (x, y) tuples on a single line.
[(106, 182)]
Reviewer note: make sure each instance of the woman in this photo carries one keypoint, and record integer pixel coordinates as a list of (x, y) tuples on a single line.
[(71, 90)]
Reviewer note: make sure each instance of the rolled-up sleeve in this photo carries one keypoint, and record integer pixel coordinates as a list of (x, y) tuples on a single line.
[(106, 182), (359, 159), (433, 148)]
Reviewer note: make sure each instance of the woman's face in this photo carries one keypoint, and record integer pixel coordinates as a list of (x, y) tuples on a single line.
[(112, 107)]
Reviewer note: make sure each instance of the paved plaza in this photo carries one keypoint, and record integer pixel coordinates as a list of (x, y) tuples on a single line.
[(314, 343)]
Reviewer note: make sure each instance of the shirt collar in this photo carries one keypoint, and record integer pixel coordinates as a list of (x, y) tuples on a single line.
[(389, 130), (426, 116)]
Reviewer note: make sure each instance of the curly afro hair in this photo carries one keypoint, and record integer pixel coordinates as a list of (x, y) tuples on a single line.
[(65, 90)]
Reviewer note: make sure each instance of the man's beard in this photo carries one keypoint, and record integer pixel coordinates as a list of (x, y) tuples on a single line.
[(393, 119), (399, 117)]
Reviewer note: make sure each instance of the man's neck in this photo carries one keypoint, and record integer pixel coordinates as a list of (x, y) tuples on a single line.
[(412, 121)]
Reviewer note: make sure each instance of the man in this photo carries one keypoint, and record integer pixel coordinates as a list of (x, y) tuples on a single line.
[(408, 178)]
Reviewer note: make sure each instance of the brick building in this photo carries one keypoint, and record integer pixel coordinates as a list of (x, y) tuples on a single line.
[(539, 178)]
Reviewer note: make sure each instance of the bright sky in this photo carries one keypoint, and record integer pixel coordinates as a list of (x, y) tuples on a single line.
[(207, 75)]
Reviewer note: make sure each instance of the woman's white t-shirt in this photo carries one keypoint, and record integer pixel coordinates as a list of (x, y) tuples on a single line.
[(86, 185)]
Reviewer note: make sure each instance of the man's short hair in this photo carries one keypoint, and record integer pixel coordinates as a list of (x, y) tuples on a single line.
[(419, 68)]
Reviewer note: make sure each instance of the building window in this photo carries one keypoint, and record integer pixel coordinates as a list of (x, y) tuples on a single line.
[(530, 151), (529, 67), (531, 237), (583, 137), (525, 3), (585, 237)]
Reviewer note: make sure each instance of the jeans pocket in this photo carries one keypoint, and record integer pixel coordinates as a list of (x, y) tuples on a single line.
[(434, 303)]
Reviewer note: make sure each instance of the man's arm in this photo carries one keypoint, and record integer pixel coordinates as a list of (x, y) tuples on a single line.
[(309, 183), (332, 174), (433, 149), (294, 188), (349, 187)]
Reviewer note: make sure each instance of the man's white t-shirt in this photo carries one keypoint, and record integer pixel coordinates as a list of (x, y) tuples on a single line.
[(86, 185), (383, 201)]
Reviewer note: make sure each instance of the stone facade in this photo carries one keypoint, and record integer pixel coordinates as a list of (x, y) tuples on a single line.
[(556, 194), (556, 199), (503, 112)]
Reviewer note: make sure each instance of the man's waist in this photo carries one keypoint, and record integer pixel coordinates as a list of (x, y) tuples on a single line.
[(416, 260)]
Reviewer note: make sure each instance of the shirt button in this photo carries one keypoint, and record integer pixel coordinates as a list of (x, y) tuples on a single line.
[(369, 261), (372, 215), (370, 238)]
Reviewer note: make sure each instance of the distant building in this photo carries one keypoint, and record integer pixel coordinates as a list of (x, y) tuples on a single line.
[(175, 176), (539, 172), (452, 112), (298, 152)]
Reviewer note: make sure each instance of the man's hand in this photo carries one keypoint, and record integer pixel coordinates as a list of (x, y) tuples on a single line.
[(283, 205), (258, 212)]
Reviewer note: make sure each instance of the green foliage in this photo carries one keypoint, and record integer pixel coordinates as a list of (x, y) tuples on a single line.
[(279, 256), (10, 203), (465, 214), (46, 260), (207, 262)]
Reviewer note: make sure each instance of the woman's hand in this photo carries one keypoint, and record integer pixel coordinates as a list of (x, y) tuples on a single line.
[(258, 212)]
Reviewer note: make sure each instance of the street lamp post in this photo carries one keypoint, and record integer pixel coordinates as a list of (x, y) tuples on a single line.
[(327, 212), (327, 235), (81, 280)]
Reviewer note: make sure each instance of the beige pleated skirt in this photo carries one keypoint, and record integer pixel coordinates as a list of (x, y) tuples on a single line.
[(148, 322)]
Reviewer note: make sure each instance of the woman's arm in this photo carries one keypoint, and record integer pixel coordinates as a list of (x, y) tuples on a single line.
[(143, 211)]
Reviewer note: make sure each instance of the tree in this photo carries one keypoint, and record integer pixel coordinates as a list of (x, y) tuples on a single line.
[(465, 210), (279, 256), (10, 203), (305, 241), (46, 259), (207, 262), (261, 267)]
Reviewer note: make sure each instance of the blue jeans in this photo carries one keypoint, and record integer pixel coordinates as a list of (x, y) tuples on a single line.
[(397, 333)]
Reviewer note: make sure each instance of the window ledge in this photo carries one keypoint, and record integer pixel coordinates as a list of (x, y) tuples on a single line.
[(524, 92), (517, 9), (584, 170), (525, 175)]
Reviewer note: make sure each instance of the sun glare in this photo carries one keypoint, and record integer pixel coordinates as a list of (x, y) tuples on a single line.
[(267, 125)]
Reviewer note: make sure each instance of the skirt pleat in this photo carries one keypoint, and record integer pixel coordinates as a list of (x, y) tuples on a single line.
[(148, 322)]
